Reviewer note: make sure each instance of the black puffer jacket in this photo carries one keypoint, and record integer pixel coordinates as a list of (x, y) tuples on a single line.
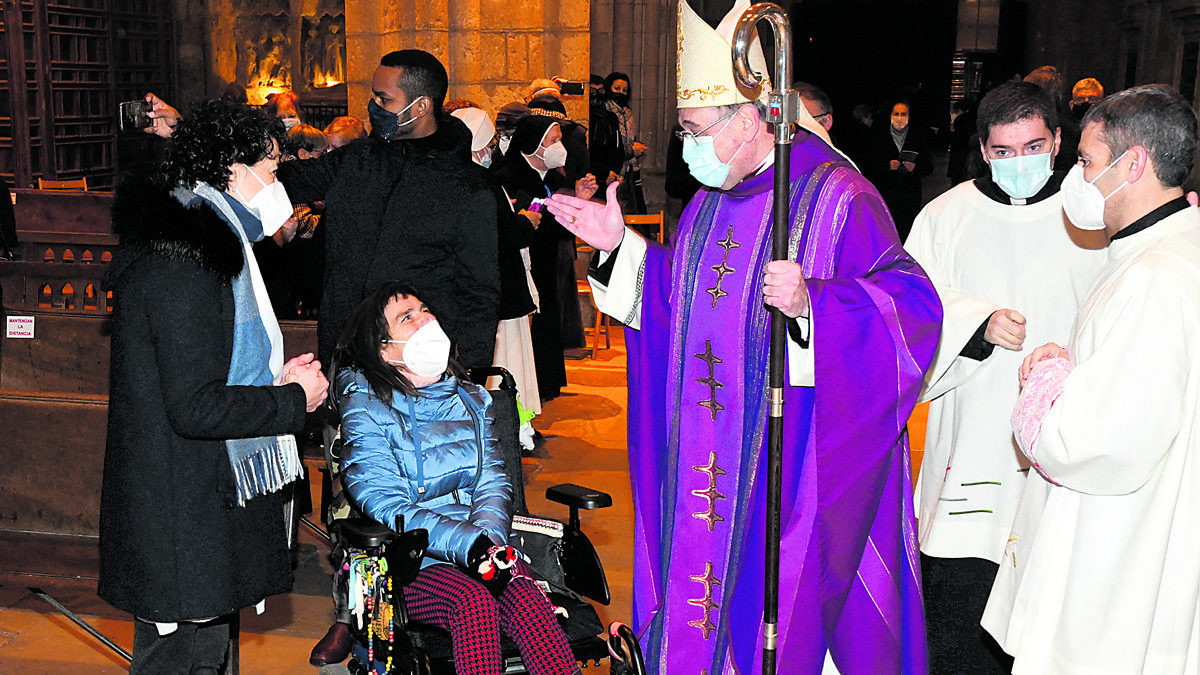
[(173, 545), (412, 210)]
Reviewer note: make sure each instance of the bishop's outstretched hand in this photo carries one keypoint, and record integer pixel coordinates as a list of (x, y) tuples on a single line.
[(600, 225)]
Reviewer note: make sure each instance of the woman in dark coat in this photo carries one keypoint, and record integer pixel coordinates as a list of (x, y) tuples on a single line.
[(900, 160), (200, 400), (530, 171)]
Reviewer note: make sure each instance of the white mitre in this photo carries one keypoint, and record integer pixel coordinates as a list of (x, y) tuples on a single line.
[(704, 68), (704, 73)]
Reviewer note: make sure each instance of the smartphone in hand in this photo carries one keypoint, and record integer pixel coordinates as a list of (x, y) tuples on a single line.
[(133, 115)]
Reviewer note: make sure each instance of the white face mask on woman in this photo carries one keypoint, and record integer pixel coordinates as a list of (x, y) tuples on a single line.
[(555, 156), (271, 205), (426, 352)]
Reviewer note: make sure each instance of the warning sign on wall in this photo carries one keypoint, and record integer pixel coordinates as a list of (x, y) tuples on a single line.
[(19, 327)]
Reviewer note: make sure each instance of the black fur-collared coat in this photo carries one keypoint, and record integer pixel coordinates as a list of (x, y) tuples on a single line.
[(173, 544)]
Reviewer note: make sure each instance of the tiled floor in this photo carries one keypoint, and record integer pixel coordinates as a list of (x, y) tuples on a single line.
[(584, 434)]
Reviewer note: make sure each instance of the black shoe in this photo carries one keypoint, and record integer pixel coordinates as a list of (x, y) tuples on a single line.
[(334, 647)]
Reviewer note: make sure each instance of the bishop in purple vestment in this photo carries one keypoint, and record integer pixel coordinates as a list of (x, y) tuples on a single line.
[(865, 325)]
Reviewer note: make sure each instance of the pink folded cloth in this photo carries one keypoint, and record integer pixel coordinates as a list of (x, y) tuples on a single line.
[(1042, 388)]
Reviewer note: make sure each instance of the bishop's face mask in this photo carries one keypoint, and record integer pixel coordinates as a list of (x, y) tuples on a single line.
[(700, 154), (1022, 177)]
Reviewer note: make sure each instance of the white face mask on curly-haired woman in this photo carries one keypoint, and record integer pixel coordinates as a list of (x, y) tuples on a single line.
[(268, 201)]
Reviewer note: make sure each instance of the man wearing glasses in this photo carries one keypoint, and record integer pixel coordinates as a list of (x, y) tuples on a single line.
[(865, 322)]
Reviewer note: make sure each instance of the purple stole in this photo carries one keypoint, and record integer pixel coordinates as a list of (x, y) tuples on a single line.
[(697, 425)]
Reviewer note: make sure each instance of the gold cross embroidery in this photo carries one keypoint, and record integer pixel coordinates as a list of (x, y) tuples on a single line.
[(706, 603), (711, 494), (728, 244), (711, 382)]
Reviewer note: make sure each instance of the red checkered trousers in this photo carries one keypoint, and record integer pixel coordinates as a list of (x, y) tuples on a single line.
[(443, 595)]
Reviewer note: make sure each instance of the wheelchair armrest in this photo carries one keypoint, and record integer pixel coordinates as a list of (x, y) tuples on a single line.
[(404, 555), (364, 533), (578, 497)]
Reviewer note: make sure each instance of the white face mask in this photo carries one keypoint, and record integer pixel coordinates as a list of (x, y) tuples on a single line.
[(426, 352), (271, 205), (503, 143), (482, 158), (1083, 201), (1022, 177), (555, 155), (700, 154), (290, 122)]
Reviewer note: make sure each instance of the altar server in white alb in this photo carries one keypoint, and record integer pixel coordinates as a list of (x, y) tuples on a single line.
[(1009, 270), (1102, 570)]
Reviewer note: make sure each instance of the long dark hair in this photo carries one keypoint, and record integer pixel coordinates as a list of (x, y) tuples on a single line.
[(359, 345)]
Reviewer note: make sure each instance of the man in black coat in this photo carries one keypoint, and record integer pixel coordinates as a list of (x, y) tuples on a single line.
[(403, 205)]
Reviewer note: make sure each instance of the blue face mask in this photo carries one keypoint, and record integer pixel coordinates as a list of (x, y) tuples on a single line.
[(384, 123), (1022, 177), (702, 160)]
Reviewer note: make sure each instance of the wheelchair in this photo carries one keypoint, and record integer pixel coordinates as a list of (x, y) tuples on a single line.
[(564, 561)]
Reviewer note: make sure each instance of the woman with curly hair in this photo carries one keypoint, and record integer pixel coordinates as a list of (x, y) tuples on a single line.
[(201, 403)]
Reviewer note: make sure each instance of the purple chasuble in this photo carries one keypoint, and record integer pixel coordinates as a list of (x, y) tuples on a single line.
[(849, 578)]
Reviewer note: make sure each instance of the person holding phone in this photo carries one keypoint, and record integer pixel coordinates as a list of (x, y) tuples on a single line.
[(530, 172)]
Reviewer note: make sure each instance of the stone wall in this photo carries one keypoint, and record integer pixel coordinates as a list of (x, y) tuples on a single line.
[(263, 46), (492, 50)]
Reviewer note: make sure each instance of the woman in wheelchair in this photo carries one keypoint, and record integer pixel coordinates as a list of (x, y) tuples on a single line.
[(418, 444)]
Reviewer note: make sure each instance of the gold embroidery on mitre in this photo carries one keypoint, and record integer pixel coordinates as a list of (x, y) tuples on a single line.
[(704, 74), (711, 493), (705, 603), (704, 94)]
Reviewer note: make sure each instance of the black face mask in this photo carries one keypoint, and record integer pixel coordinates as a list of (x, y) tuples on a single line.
[(620, 99), (1080, 109), (383, 122)]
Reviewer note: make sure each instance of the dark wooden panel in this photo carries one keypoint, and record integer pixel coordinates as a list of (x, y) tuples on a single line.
[(68, 354), (62, 211), (299, 337), (54, 454)]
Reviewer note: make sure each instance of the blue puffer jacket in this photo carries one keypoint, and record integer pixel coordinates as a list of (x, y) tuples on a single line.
[(432, 459)]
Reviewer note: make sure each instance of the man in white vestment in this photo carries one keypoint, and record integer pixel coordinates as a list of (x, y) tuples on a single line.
[(1102, 570), (1008, 268)]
